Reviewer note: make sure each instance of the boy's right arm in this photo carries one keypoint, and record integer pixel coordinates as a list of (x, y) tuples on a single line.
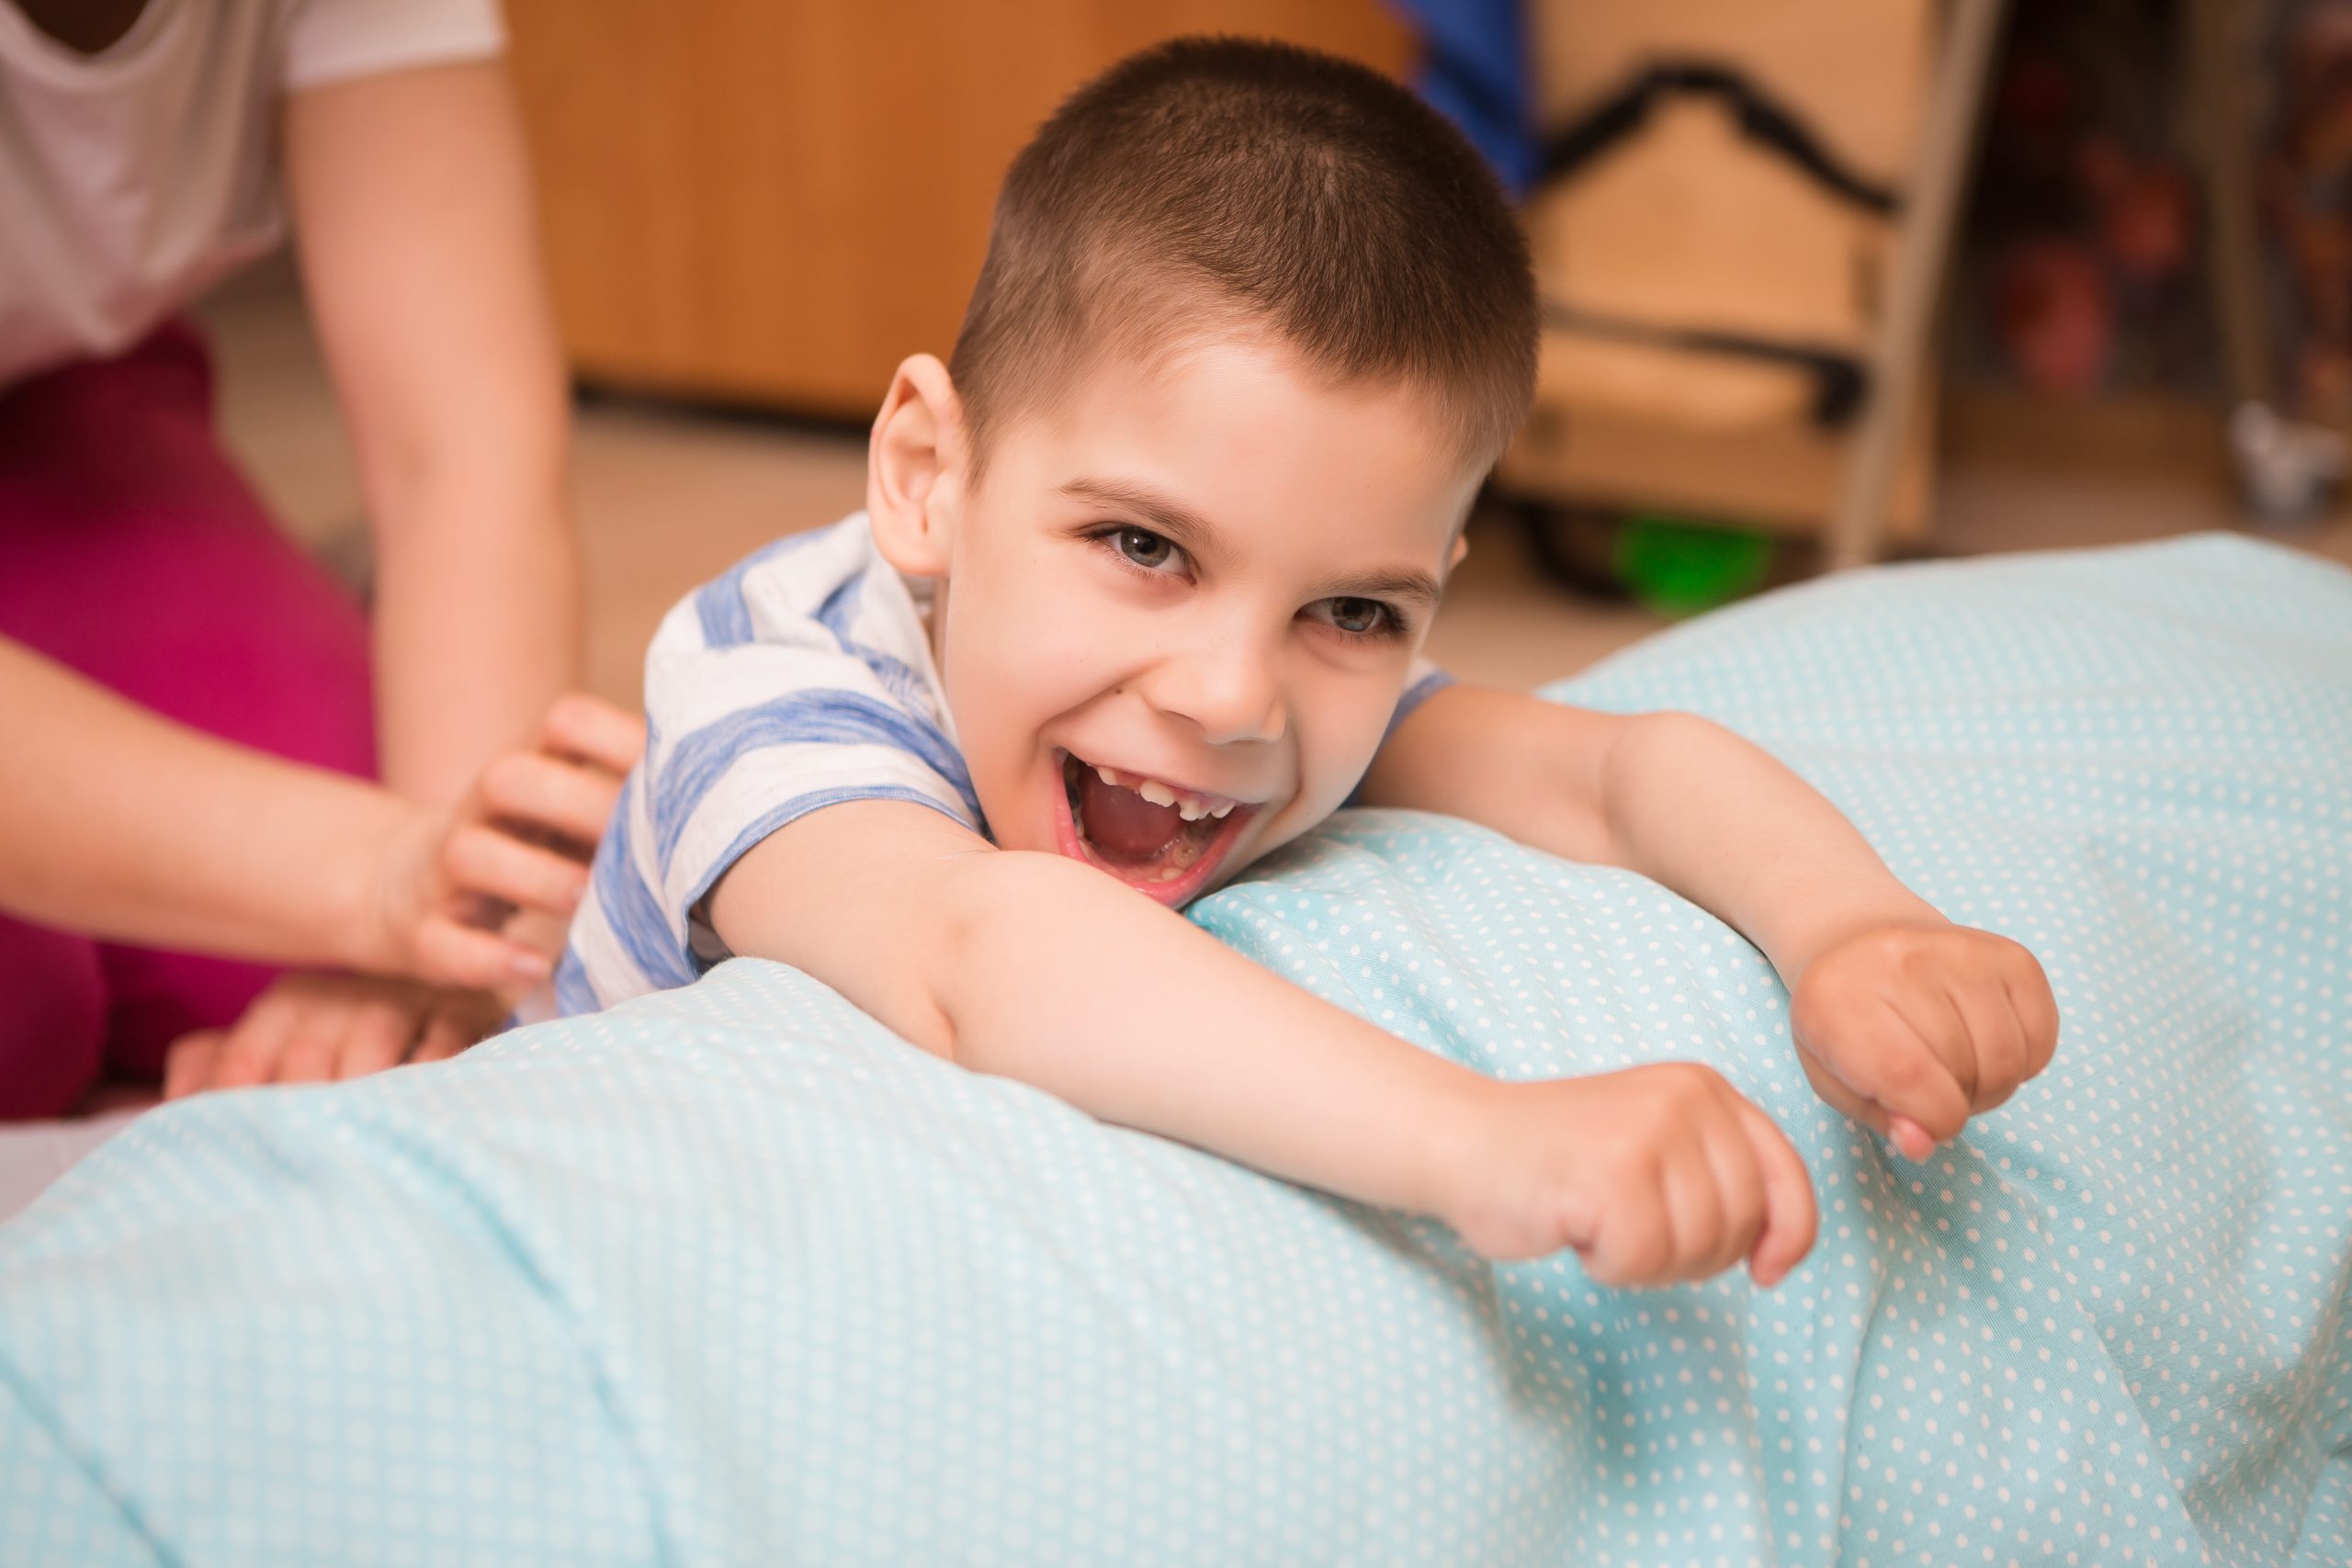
[(1039, 968)]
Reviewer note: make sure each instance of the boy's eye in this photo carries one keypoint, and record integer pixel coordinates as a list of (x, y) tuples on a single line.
[(1357, 617), (1144, 547)]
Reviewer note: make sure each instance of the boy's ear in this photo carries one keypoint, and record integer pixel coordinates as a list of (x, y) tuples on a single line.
[(914, 468)]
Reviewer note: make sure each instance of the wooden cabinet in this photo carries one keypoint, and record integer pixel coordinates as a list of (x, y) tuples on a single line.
[(774, 201)]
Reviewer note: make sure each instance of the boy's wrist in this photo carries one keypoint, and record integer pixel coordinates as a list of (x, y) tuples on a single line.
[(1451, 1168), (1795, 951)]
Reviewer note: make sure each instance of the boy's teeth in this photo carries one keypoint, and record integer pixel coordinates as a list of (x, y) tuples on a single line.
[(1192, 808)]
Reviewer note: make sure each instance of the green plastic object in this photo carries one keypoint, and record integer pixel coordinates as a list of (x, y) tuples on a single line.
[(1677, 567)]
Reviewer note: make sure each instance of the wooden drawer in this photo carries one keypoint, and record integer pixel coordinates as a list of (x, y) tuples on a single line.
[(772, 202)]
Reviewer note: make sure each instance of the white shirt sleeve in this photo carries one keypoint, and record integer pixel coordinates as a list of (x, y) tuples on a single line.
[(335, 40)]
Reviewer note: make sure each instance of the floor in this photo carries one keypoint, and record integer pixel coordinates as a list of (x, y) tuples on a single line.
[(667, 497)]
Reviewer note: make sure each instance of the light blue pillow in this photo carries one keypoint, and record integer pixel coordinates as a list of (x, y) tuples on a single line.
[(731, 1275)]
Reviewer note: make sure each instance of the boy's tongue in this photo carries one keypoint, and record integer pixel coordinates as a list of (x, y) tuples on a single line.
[(1124, 823)]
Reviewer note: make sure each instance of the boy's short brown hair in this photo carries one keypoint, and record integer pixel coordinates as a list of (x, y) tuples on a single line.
[(1216, 184)]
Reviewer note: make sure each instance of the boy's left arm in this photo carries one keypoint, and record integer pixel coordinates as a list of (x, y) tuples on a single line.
[(1903, 1020)]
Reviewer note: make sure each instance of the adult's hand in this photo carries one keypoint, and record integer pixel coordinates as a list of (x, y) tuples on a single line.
[(520, 844)]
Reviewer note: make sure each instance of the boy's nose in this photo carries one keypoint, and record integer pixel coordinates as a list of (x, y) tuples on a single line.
[(1228, 692)]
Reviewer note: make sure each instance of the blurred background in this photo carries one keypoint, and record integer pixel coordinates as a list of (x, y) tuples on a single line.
[(1826, 281)]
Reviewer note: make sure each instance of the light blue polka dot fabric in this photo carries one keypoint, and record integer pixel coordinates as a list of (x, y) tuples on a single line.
[(731, 1276)]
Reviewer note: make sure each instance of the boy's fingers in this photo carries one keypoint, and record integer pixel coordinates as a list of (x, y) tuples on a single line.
[(450, 954), (1838, 1097), (1933, 1015), (1907, 1077), (2037, 1010), (1999, 1037), (1740, 1181), (565, 798), (1634, 1244), (483, 861), (1694, 1208), (1790, 1216), (1911, 1141), (592, 730)]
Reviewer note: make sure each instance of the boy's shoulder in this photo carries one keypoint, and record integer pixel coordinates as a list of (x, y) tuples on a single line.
[(783, 586), (820, 615)]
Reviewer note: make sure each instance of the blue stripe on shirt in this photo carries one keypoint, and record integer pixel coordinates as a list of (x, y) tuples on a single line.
[(822, 715), (574, 994), (835, 614), (840, 606), (632, 909), (719, 604)]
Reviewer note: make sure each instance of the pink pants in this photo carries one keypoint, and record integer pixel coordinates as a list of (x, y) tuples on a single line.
[(134, 551)]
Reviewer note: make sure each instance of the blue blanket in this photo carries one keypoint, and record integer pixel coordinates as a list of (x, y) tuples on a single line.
[(733, 1275)]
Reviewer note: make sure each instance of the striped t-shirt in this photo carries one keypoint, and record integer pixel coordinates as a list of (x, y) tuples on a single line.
[(799, 679)]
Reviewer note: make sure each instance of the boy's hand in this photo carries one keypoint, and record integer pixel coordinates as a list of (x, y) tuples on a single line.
[(1912, 1027), (1654, 1175), (522, 840), (317, 1028)]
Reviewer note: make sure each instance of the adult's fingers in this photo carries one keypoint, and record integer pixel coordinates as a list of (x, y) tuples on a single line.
[(450, 952), (378, 1034), (570, 800), (483, 861), (458, 1021), (1792, 1217), (187, 1067), (249, 1054), (590, 729), (313, 1040)]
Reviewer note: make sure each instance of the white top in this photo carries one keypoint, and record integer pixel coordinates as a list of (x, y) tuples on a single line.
[(134, 179)]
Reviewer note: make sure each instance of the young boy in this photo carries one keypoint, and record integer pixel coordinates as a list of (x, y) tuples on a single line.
[(1137, 597)]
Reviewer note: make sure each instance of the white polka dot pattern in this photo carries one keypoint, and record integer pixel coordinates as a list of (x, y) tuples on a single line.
[(729, 1275)]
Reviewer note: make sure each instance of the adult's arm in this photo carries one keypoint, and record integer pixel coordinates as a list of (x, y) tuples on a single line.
[(413, 210), (125, 826)]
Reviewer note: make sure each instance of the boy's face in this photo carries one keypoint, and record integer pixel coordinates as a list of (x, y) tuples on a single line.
[(1207, 579)]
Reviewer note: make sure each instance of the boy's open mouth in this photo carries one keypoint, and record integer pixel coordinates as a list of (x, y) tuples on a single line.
[(1161, 840)]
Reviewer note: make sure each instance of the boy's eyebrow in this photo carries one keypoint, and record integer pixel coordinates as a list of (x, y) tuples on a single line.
[(1189, 529), (1417, 587)]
